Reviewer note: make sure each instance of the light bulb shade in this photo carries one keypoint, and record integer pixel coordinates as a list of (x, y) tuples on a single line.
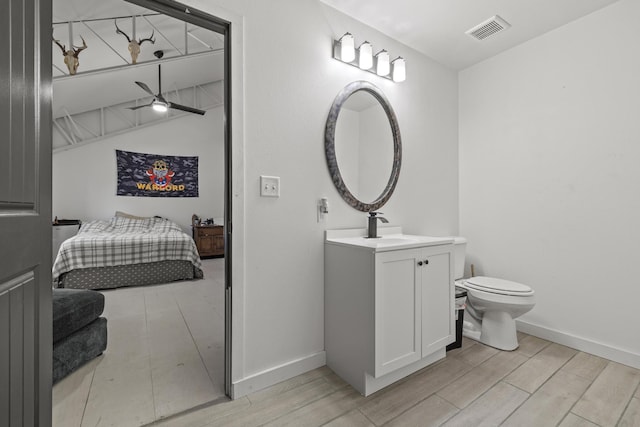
[(159, 106), (382, 63), (399, 72), (347, 48), (365, 56), (344, 50)]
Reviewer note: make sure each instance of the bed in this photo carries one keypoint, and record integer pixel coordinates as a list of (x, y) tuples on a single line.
[(126, 252)]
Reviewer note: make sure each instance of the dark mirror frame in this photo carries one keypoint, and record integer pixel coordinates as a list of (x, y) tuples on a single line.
[(330, 148)]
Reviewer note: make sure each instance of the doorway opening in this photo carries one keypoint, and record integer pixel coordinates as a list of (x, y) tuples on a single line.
[(215, 267)]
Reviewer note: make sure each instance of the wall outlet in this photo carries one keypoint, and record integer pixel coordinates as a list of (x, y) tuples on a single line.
[(269, 186)]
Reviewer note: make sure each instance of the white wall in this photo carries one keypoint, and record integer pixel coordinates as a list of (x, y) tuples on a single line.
[(84, 178), (549, 177), (290, 82)]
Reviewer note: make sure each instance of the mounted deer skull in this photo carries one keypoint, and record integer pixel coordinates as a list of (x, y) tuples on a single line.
[(134, 46), (71, 55)]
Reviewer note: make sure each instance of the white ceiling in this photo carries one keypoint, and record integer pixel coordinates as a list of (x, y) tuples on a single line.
[(437, 27)]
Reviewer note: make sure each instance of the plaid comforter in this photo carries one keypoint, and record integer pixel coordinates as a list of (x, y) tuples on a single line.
[(125, 241)]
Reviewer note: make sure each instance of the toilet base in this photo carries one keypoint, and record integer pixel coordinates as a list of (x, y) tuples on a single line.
[(497, 329)]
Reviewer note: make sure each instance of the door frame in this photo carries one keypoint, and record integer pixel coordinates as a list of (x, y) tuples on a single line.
[(210, 22)]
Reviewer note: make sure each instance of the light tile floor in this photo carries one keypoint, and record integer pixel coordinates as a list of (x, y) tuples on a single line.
[(165, 355), (540, 384)]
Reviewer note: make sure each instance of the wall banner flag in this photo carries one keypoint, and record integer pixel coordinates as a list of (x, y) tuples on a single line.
[(155, 175)]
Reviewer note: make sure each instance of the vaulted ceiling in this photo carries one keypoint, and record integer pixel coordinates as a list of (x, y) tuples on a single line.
[(192, 62), (95, 21)]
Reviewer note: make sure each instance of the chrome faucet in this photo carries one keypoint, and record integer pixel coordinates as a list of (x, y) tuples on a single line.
[(372, 229)]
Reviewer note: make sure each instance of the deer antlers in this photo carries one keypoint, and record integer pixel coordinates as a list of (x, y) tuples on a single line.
[(134, 46), (71, 55)]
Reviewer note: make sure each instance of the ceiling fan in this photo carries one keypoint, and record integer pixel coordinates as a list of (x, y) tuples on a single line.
[(159, 103)]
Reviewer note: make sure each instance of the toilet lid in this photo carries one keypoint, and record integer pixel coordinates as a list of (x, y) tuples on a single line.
[(498, 286)]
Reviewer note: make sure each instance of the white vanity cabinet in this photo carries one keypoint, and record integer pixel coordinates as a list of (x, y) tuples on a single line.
[(413, 305), (389, 310)]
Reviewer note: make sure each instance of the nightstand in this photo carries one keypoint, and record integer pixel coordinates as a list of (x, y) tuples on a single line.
[(62, 232), (209, 240)]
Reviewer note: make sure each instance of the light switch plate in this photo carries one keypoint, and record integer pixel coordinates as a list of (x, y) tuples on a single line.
[(269, 186)]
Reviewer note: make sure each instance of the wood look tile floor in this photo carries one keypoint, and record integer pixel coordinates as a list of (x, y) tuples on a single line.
[(164, 358), (165, 355), (540, 384)]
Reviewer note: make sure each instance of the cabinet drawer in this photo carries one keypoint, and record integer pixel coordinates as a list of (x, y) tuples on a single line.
[(209, 231)]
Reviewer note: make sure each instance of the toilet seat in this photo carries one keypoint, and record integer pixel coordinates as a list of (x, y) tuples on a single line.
[(497, 286)]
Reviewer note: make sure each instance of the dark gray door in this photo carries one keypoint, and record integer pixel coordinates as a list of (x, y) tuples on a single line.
[(25, 213)]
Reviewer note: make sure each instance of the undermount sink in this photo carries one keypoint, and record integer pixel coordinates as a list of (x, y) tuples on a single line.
[(391, 238)]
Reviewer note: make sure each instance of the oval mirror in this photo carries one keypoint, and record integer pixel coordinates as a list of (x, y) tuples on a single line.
[(363, 146)]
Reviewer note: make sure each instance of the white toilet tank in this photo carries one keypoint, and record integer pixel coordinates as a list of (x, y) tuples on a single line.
[(459, 250)]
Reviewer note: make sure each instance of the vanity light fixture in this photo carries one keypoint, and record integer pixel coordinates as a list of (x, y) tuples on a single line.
[(382, 63), (365, 56), (347, 48), (344, 50), (398, 70)]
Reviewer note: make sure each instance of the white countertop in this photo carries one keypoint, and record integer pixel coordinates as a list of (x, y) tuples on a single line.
[(391, 239)]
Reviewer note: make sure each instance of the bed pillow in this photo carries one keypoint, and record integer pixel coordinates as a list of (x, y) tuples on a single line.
[(126, 215), (95, 226)]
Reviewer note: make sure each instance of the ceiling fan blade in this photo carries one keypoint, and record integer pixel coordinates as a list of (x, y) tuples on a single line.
[(187, 109), (145, 88), (138, 107)]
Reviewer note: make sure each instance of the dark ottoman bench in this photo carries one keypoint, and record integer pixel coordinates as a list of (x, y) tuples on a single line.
[(79, 333)]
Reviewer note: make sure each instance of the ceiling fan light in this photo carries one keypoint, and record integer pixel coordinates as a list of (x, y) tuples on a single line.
[(159, 106)]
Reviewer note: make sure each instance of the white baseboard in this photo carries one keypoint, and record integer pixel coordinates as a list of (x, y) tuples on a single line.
[(588, 346), (277, 374)]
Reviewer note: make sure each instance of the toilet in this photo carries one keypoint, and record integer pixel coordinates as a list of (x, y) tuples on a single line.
[(492, 304)]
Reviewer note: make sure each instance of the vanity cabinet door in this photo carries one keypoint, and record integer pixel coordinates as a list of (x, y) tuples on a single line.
[(438, 317), (397, 310)]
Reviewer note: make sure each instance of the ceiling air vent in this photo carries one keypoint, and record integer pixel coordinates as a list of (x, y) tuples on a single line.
[(491, 26)]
